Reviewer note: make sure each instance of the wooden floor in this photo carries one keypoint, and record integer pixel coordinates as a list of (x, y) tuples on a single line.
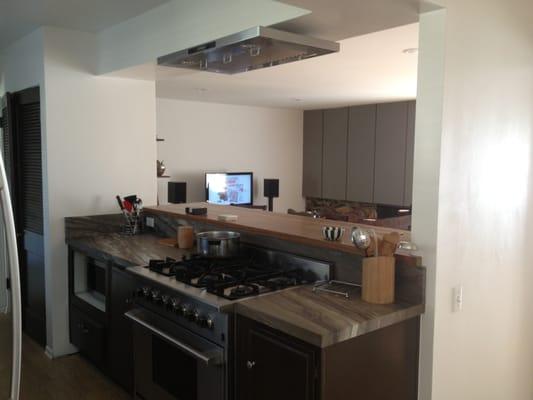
[(65, 378)]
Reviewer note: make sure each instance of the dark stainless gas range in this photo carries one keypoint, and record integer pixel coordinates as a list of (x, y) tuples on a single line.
[(183, 336)]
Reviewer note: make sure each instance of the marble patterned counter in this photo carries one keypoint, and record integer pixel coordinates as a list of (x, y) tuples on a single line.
[(319, 318)]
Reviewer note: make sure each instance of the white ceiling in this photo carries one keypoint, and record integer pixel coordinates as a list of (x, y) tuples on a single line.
[(369, 68), (20, 17), (342, 19)]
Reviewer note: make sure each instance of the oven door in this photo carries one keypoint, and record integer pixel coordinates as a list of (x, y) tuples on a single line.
[(173, 363)]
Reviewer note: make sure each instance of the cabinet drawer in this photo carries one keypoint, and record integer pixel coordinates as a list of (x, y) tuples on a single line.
[(88, 336)]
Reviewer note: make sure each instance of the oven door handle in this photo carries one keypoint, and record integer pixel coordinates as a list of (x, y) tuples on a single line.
[(209, 358)]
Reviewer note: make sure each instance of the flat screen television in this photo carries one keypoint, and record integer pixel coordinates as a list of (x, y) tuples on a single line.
[(228, 188)]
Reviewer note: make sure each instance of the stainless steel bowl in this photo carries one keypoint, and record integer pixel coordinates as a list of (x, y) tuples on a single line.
[(219, 244)]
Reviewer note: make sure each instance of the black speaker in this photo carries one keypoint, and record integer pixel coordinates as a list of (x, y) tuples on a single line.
[(271, 188), (177, 192)]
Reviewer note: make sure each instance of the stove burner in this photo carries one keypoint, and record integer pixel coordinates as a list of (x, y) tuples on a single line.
[(231, 278), (243, 291), (212, 278), (163, 267), (282, 282)]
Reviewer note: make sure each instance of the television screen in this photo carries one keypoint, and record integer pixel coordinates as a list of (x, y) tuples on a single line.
[(229, 187)]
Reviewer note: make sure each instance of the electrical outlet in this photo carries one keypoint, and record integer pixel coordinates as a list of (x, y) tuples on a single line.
[(150, 222), (457, 299)]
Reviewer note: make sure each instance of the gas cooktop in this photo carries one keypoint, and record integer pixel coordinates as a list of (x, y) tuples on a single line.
[(253, 273)]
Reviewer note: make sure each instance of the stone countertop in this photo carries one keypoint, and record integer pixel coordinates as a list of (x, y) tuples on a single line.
[(319, 318), (324, 319), (99, 236)]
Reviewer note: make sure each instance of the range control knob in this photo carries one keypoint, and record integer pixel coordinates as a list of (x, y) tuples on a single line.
[(165, 299), (185, 310), (195, 316), (175, 304), (155, 295), (146, 291), (206, 321)]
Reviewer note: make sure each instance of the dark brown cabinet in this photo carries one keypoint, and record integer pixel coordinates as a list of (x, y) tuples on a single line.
[(389, 170), (312, 157), (334, 154), (409, 154), (361, 152), (99, 295), (88, 336), (271, 365), (381, 365), (120, 330)]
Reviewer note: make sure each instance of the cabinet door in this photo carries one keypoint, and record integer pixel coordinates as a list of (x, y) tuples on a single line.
[(409, 154), (361, 150), (88, 336), (312, 157), (121, 337), (334, 154), (389, 173), (271, 365)]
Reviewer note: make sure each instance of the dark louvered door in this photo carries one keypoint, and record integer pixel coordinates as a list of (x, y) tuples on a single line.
[(28, 190), (6, 124)]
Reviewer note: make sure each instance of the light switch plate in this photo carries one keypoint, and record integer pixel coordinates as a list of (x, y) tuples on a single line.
[(457, 299)]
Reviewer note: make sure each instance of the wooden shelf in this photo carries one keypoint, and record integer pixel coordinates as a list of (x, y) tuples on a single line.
[(294, 228)]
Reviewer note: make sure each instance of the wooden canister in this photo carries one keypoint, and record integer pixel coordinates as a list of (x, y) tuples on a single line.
[(185, 237), (378, 280)]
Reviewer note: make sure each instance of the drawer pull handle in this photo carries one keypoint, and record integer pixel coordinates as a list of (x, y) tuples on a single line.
[(250, 364)]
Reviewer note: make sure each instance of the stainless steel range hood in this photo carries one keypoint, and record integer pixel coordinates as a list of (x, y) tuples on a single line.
[(254, 48)]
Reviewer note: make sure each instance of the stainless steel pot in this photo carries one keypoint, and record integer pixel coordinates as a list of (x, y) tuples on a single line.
[(220, 244)]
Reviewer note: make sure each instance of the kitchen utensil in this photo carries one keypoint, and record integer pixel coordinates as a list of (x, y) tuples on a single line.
[(378, 280), (219, 244), (132, 198), (185, 237), (332, 233), (119, 201), (387, 246), (128, 206)]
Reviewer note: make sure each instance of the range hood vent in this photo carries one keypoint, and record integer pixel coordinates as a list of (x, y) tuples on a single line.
[(254, 48)]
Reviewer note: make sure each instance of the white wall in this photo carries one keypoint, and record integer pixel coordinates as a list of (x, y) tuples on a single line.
[(100, 142), (203, 137), (485, 198), (426, 174)]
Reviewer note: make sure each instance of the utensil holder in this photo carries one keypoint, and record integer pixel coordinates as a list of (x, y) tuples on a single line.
[(133, 225), (378, 280)]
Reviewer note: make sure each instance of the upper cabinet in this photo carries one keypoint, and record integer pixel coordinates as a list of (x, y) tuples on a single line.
[(335, 154), (389, 171), (409, 154), (361, 153), (312, 157)]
